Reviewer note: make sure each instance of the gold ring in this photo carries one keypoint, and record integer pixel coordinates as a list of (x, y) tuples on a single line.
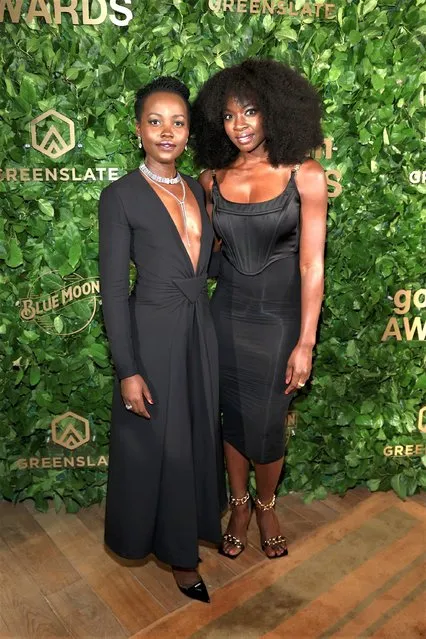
[(299, 385)]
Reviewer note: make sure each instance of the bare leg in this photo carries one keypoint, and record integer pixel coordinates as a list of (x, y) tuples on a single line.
[(238, 468), (267, 476)]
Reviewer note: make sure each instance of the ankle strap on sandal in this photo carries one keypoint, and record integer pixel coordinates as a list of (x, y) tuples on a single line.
[(239, 501), (269, 506)]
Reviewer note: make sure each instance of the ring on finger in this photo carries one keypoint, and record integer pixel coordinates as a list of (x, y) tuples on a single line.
[(300, 385), (128, 406)]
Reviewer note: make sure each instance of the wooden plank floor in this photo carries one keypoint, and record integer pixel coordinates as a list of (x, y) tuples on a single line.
[(58, 580)]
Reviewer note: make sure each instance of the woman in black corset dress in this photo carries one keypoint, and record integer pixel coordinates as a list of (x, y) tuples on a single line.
[(166, 481), (254, 125)]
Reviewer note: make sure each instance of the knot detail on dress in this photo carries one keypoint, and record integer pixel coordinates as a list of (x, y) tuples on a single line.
[(191, 287)]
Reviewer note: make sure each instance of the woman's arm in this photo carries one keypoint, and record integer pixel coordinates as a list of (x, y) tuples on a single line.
[(114, 264), (206, 181), (312, 187)]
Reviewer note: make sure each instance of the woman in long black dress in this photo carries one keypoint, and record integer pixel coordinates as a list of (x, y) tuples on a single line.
[(165, 487), (254, 125)]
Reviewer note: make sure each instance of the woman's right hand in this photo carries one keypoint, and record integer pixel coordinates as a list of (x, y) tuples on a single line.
[(133, 391)]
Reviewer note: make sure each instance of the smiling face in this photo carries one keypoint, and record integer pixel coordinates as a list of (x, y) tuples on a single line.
[(243, 124), (163, 127)]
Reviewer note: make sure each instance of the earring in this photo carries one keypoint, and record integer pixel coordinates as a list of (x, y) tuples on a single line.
[(139, 141), (186, 146)]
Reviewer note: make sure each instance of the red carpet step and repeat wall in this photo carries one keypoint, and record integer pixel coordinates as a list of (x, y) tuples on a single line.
[(70, 71)]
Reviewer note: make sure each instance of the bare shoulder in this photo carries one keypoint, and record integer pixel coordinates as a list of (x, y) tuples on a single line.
[(311, 169), (311, 176)]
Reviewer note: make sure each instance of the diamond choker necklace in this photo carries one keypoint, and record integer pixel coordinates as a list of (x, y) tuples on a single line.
[(178, 178), (158, 178)]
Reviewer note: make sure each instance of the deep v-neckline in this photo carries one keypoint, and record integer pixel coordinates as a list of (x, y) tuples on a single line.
[(174, 227)]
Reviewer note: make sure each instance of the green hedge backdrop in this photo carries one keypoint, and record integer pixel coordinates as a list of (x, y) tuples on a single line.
[(367, 393)]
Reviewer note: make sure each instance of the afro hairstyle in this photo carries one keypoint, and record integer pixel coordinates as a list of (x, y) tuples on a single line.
[(290, 108)]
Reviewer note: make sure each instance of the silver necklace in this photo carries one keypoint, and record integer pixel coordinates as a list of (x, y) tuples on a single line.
[(158, 178), (181, 204)]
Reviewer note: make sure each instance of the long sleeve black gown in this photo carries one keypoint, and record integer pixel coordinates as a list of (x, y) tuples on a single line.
[(166, 482)]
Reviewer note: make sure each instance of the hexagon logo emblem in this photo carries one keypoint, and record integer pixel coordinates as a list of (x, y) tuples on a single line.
[(52, 133), (421, 424), (70, 430)]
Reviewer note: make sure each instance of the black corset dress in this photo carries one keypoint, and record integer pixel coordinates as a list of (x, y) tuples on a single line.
[(256, 308)]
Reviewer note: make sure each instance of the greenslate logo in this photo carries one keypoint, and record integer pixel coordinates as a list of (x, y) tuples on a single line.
[(53, 134), (296, 8), (70, 430), (414, 449), (56, 140)]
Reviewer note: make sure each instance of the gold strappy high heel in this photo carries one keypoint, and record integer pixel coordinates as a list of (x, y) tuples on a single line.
[(234, 541), (272, 542)]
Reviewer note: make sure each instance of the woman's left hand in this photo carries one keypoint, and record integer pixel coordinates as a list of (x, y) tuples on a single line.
[(298, 368)]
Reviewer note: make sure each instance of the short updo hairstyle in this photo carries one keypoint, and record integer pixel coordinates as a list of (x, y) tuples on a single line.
[(290, 107), (162, 84)]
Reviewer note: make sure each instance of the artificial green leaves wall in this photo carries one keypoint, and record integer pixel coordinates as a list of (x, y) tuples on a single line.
[(362, 419)]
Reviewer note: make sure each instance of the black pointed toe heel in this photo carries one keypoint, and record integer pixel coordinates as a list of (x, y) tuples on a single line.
[(198, 591)]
